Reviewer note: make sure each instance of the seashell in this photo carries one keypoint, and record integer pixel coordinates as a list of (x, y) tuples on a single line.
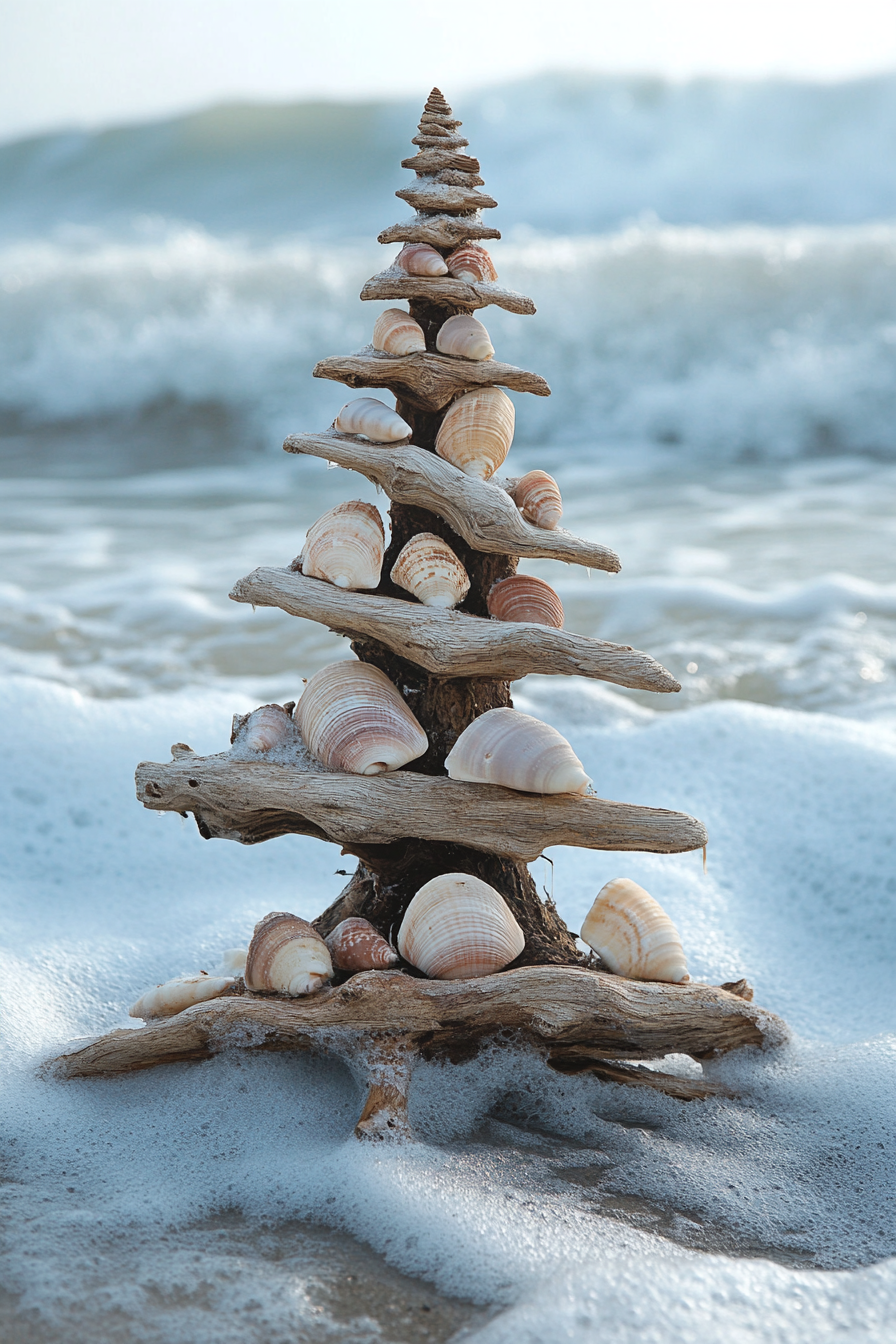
[(352, 718), (464, 337), (266, 728), (373, 419), (506, 747), (524, 598), (471, 262), (234, 959), (632, 933), (176, 995), (287, 956), (346, 546), (428, 568), (421, 259), (457, 927), (355, 945), (477, 432), (397, 333), (537, 496)]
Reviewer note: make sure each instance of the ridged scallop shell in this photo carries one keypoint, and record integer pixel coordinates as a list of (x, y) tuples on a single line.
[(632, 933), (266, 728), (465, 337), (506, 747), (397, 333), (428, 568), (470, 262), (477, 432), (372, 418), (458, 927), (355, 945), (346, 546), (287, 956), (352, 718), (524, 598), (537, 496), (176, 995), (421, 259)]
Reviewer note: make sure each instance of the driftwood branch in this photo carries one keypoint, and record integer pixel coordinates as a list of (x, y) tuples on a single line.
[(438, 230), (453, 643), (250, 801), (426, 380), (443, 290), (453, 200), (479, 511)]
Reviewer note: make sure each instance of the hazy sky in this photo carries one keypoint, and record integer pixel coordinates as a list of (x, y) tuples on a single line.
[(89, 62)]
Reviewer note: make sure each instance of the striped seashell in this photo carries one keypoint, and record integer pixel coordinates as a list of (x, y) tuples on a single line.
[(176, 995), (524, 598), (346, 546), (428, 568), (506, 747), (421, 259), (352, 718), (458, 927), (373, 419), (266, 728), (397, 333), (355, 945), (286, 956), (477, 432), (464, 337), (632, 933), (471, 262), (537, 496)]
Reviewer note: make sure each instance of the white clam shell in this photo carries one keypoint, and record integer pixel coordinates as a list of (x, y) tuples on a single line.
[(287, 956), (517, 751), (457, 927), (266, 728), (176, 995), (397, 333), (234, 960), (537, 496), (421, 259), (632, 933), (346, 546), (477, 432), (373, 419), (428, 568), (471, 262), (352, 718), (464, 337)]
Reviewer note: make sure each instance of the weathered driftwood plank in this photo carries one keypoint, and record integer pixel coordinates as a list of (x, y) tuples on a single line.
[(479, 511), (437, 160), (453, 643), (428, 194), (251, 801), (426, 380), (439, 230), (397, 284)]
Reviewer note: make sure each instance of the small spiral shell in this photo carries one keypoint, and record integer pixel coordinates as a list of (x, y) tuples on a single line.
[(458, 927), (397, 333), (477, 432), (346, 546), (176, 995), (266, 728), (355, 945), (524, 598), (428, 568), (352, 718), (421, 259), (286, 956), (471, 262), (537, 496), (506, 747), (465, 338), (373, 419), (632, 933)]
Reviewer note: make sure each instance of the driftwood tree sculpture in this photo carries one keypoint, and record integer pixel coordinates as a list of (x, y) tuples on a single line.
[(451, 667)]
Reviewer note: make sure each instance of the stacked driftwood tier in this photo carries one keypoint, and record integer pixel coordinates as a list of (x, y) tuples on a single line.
[(450, 666)]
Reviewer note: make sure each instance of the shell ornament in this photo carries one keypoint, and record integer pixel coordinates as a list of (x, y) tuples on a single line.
[(471, 262), (465, 338), (506, 747), (477, 432), (182, 992), (352, 718), (524, 598), (421, 259), (458, 927), (372, 419), (286, 956), (266, 728), (537, 496), (355, 945), (346, 546), (397, 333), (428, 568), (632, 933)]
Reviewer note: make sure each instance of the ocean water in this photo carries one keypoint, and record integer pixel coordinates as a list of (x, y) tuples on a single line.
[(715, 273)]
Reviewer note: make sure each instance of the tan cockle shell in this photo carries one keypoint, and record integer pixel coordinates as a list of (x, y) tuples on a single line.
[(355, 945), (477, 432), (632, 933), (537, 496), (266, 728), (421, 259), (457, 927), (520, 597), (397, 333), (471, 262), (506, 747), (465, 338), (176, 995), (286, 956), (373, 419), (428, 568), (352, 718), (346, 546)]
